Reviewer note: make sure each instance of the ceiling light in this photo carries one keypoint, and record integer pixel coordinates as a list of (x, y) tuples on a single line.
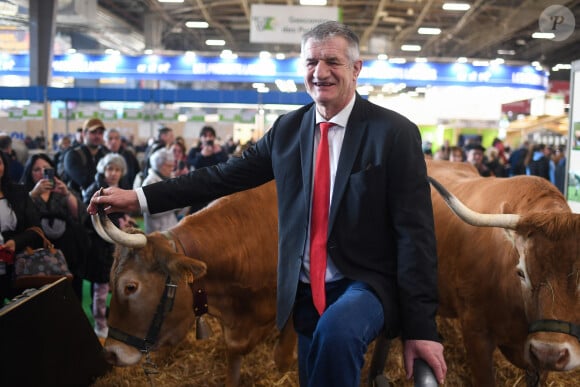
[(228, 54), (410, 47), (456, 6), (506, 52), (257, 85), (280, 56), (462, 59), (429, 31), (543, 35), (421, 60), (265, 55), (312, 2), (170, 1), (196, 24), (148, 51), (398, 60), (382, 57), (481, 63), (71, 51), (215, 42)]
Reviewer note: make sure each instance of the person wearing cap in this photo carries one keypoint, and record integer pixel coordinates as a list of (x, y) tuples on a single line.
[(475, 157), (80, 164)]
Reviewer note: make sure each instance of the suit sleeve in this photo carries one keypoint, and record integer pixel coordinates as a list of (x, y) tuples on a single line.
[(412, 213), (202, 185)]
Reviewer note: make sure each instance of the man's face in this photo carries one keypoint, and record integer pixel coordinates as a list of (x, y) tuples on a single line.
[(207, 137), (113, 142), (94, 138), (330, 77)]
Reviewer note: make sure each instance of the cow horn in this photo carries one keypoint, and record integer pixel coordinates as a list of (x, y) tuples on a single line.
[(121, 237), (508, 221), (111, 233)]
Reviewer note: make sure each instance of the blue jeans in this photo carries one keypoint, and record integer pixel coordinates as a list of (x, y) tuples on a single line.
[(331, 347)]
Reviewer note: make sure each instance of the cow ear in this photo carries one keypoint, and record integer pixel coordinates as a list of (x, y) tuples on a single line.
[(189, 265)]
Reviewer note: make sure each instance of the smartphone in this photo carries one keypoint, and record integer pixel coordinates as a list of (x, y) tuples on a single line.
[(49, 174), (209, 143)]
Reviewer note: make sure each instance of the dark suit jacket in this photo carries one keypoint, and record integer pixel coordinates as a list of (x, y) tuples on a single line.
[(381, 220)]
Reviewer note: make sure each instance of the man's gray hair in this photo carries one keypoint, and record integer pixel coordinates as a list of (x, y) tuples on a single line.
[(331, 29), (112, 159), (109, 131), (160, 157)]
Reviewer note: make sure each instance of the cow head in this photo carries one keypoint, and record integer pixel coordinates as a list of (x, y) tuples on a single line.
[(152, 298), (548, 270)]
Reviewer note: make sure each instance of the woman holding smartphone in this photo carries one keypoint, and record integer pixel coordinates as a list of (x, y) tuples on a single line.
[(62, 213)]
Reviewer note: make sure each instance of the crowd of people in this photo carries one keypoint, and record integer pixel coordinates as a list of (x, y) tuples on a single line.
[(95, 157), (499, 160)]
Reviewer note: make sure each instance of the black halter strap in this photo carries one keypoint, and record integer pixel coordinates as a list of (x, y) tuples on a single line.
[(163, 308), (555, 326)]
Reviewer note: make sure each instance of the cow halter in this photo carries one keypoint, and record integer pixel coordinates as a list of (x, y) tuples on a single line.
[(555, 326), (163, 308)]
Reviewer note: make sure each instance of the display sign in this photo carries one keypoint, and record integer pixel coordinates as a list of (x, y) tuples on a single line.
[(244, 69), (573, 178), (286, 23)]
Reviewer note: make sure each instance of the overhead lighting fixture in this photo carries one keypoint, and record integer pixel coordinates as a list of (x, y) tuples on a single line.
[(71, 51), (382, 57), (456, 6), (312, 2), (170, 1), (215, 42), (196, 24), (543, 35), (429, 31), (398, 60), (257, 85), (265, 55), (481, 63), (506, 52), (280, 56), (228, 54), (410, 47), (461, 59), (148, 51), (421, 60)]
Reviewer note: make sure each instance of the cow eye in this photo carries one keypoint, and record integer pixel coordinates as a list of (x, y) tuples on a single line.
[(130, 288), (521, 274)]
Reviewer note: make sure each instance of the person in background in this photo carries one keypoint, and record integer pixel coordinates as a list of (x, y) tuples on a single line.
[(110, 170), (161, 164), (456, 154), (17, 215), (559, 160), (15, 167), (475, 157), (62, 214), (114, 144), (165, 137), (80, 163), (540, 163), (64, 144), (371, 218), (180, 165), (517, 160), (79, 137), (208, 152)]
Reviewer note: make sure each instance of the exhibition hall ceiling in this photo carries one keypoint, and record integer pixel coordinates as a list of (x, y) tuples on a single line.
[(489, 29)]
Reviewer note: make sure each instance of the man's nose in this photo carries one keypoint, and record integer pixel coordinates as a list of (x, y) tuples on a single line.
[(321, 69)]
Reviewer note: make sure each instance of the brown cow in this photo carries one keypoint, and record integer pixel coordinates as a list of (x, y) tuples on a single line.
[(514, 280), (229, 250)]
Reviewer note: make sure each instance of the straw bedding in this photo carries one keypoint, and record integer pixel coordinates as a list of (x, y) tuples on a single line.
[(202, 363)]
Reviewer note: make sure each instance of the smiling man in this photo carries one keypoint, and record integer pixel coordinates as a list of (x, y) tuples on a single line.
[(357, 253)]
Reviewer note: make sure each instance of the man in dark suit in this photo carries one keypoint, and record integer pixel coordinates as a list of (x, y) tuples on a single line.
[(381, 268)]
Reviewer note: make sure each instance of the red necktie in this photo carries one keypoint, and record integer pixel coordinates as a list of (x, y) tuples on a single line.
[(319, 220)]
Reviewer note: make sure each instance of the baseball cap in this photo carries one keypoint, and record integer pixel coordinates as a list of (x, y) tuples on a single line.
[(93, 124)]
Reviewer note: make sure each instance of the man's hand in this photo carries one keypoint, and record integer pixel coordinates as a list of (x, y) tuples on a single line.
[(114, 199), (430, 351)]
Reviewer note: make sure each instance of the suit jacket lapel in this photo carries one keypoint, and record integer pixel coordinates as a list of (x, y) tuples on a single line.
[(355, 132), (307, 152)]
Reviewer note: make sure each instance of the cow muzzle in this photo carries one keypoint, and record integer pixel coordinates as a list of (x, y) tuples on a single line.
[(553, 345)]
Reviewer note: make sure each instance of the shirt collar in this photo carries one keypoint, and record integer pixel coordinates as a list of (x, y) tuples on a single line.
[(341, 118)]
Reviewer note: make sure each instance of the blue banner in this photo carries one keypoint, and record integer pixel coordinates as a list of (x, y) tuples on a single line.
[(196, 68)]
